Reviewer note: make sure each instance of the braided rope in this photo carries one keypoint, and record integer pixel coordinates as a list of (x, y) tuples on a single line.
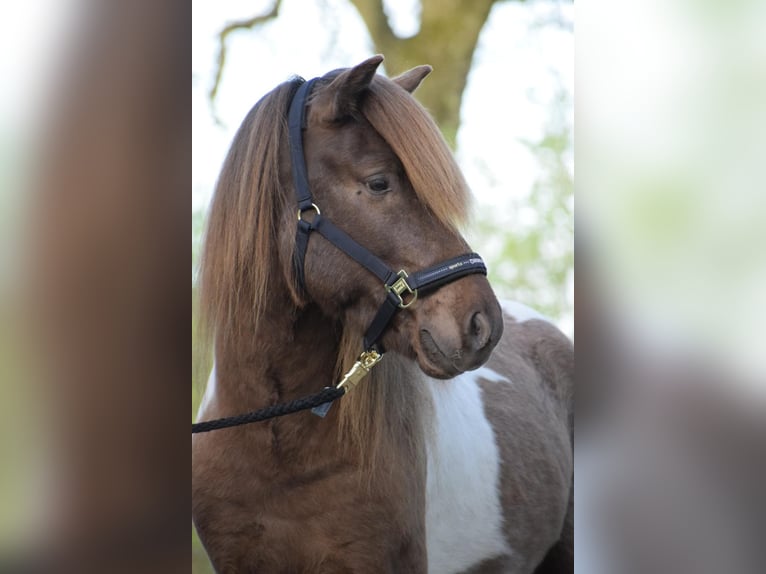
[(326, 395)]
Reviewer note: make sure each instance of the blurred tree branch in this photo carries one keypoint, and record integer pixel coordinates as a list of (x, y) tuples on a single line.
[(447, 39), (246, 24), (449, 32), (376, 21)]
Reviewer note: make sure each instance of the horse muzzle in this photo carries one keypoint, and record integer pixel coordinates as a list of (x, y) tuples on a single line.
[(451, 337)]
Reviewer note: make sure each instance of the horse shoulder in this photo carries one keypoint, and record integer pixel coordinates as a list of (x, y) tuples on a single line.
[(532, 415), (536, 351)]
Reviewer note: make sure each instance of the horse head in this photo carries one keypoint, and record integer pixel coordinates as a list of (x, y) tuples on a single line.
[(379, 169)]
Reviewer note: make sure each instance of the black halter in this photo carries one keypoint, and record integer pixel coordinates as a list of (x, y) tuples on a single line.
[(402, 288)]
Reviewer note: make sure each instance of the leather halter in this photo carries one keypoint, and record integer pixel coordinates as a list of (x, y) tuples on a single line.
[(402, 288)]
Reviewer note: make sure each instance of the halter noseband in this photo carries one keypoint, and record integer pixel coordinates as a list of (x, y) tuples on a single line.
[(402, 289)]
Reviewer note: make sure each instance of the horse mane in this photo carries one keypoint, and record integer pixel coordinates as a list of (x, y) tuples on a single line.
[(391, 406), (238, 262)]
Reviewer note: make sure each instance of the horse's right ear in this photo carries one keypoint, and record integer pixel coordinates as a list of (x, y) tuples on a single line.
[(410, 80), (341, 98)]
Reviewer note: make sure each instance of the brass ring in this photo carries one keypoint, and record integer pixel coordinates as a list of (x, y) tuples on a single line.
[(313, 206)]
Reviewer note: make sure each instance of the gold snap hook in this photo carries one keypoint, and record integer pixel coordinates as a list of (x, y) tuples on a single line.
[(367, 360)]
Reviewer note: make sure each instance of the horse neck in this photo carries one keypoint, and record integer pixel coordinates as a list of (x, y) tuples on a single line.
[(292, 353), (287, 354)]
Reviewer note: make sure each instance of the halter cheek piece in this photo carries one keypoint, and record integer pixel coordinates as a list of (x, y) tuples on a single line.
[(401, 288)]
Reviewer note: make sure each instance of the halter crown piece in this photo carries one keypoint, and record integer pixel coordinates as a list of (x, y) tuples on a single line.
[(401, 288)]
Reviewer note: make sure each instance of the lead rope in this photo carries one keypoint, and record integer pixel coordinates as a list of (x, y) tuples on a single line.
[(319, 403)]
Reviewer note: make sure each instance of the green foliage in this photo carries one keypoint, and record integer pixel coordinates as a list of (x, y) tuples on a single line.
[(200, 562), (198, 226), (529, 243), (20, 444), (202, 359)]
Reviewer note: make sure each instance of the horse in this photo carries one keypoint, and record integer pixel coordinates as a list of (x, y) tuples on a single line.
[(454, 454)]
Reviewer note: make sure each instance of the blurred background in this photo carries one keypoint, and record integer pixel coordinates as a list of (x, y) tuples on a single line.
[(501, 91), (29, 35), (94, 150), (671, 229)]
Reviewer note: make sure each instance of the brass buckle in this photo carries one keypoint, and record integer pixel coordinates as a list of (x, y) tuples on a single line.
[(312, 206), (361, 368), (401, 286)]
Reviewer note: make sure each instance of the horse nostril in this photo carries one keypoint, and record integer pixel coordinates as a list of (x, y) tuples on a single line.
[(479, 331)]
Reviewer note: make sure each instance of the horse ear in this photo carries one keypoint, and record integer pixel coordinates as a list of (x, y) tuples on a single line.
[(410, 80), (347, 89)]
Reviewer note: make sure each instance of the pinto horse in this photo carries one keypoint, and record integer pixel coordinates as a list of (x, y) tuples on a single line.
[(455, 453)]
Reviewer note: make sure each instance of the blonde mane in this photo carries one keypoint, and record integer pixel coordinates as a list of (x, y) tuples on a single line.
[(238, 262), (416, 140)]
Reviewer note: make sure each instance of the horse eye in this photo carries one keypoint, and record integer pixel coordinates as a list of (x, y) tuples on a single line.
[(378, 185)]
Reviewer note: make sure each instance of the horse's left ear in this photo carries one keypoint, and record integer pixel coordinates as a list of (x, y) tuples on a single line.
[(410, 80), (346, 90)]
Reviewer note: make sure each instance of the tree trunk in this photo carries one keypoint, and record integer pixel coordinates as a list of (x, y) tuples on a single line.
[(449, 32)]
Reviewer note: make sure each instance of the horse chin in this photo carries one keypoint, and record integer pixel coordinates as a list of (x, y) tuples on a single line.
[(432, 361), (436, 372)]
